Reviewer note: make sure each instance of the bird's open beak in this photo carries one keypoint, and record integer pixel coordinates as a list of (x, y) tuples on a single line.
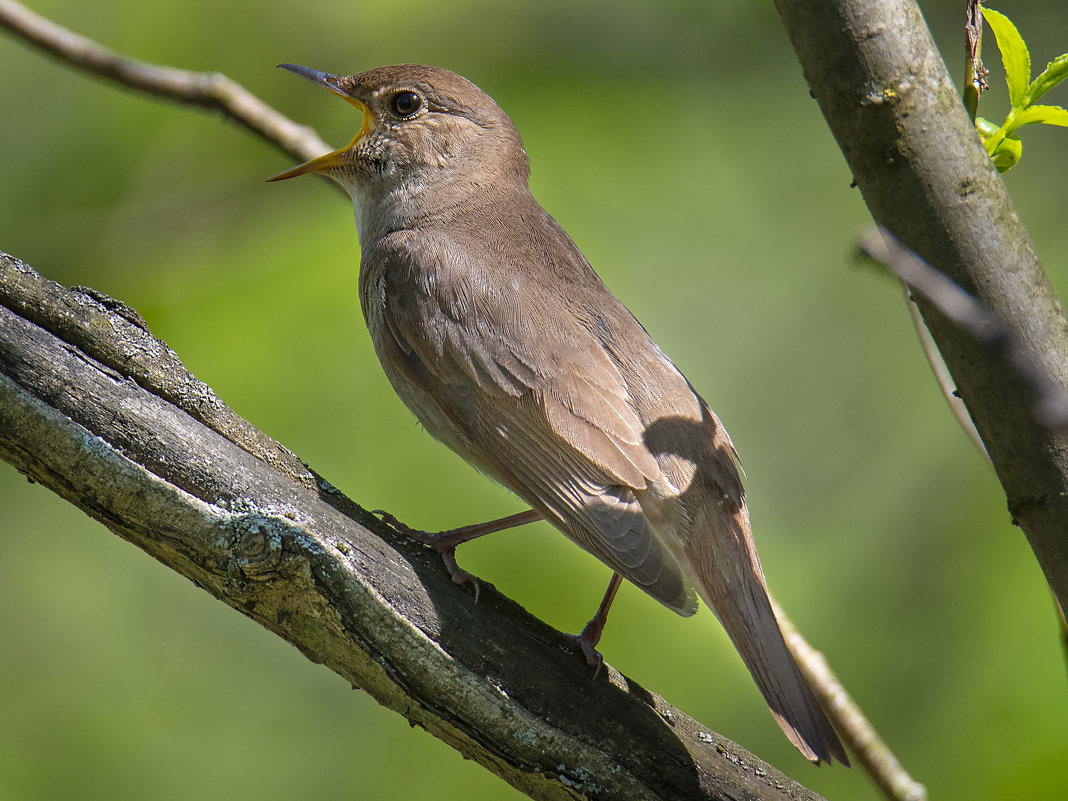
[(337, 157)]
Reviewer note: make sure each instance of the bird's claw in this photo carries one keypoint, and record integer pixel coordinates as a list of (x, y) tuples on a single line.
[(589, 650), (458, 575), (447, 552)]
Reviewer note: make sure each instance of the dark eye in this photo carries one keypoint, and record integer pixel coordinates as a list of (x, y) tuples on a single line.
[(405, 104)]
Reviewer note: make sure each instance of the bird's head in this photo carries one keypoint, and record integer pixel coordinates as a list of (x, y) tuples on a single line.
[(424, 131)]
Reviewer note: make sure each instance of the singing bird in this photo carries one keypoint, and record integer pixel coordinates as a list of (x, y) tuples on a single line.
[(498, 335)]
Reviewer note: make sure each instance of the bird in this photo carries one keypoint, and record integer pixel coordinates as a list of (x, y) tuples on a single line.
[(498, 335)]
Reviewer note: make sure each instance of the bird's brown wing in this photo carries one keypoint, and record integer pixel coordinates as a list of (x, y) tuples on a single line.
[(555, 426)]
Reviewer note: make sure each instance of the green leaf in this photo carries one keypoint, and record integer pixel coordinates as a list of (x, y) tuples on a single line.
[(1014, 56), (1007, 153), (1055, 72), (1051, 115)]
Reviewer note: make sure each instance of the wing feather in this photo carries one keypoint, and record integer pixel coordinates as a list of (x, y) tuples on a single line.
[(557, 427)]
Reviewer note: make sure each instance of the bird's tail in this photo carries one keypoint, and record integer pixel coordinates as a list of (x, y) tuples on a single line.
[(728, 576)]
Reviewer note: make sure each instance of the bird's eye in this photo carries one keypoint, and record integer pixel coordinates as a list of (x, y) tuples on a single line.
[(405, 104)]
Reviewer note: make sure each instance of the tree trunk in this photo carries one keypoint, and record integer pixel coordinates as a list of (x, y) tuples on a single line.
[(885, 92)]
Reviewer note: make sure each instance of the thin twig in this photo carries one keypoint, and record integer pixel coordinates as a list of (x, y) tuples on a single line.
[(974, 71), (942, 375), (1063, 623), (860, 737), (208, 90), (1049, 405)]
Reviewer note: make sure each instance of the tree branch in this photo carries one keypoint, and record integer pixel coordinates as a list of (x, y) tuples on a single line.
[(857, 732), (1050, 406), (974, 71), (208, 90), (885, 92), (96, 409)]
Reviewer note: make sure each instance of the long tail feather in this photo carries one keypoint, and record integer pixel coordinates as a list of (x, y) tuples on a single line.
[(728, 576)]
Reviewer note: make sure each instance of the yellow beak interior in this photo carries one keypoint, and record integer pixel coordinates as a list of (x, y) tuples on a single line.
[(326, 162), (335, 158)]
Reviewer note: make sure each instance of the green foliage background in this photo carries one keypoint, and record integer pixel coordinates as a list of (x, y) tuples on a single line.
[(677, 143)]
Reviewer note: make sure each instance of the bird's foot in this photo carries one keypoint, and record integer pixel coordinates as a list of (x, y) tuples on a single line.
[(588, 645), (592, 631), (445, 542), (442, 543)]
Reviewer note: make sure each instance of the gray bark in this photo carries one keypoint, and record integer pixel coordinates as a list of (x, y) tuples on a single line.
[(96, 409), (885, 92)]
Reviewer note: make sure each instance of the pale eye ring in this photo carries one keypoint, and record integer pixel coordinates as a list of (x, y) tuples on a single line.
[(406, 103)]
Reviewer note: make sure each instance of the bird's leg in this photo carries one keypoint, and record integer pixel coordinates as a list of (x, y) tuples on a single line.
[(591, 634), (445, 542)]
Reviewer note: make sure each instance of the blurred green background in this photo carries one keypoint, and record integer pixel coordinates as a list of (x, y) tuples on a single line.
[(677, 143)]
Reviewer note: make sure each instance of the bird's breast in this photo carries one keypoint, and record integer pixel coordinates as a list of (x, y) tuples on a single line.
[(411, 378)]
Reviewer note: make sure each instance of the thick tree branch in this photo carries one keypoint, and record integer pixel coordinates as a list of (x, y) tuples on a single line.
[(885, 92), (96, 409)]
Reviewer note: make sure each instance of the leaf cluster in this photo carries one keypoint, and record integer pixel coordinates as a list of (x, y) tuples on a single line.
[(1001, 143)]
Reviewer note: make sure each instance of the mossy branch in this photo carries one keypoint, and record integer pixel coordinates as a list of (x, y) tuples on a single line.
[(95, 408)]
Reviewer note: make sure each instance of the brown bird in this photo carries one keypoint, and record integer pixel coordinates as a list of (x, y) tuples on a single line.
[(498, 335)]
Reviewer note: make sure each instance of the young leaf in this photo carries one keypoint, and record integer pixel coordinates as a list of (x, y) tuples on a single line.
[(1014, 56), (1055, 72), (1007, 153), (1051, 115)]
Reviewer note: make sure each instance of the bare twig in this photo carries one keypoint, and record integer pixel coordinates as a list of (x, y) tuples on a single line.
[(1050, 401), (859, 735), (209, 90), (1063, 626), (941, 374), (974, 71)]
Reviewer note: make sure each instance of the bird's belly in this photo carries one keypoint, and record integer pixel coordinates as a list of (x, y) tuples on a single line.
[(414, 385), (436, 422)]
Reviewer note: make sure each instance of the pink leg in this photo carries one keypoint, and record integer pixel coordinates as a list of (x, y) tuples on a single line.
[(591, 634), (445, 542)]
